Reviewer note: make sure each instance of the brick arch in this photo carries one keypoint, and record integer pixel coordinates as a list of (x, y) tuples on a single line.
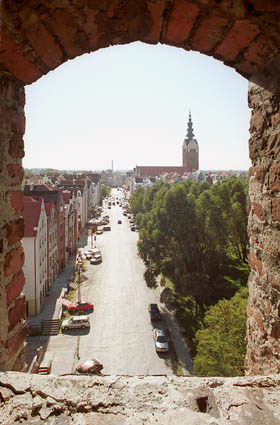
[(36, 37)]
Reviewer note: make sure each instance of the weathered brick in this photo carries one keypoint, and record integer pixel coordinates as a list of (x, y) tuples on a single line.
[(16, 146), (14, 261), (258, 210), (259, 320), (239, 37), (275, 209), (267, 6), (63, 23), (16, 342), (14, 288), (16, 313), (16, 200), (12, 120), (275, 283), (45, 45), (274, 177), (18, 64), (156, 12), (16, 172), (181, 21), (14, 231), (256, 121), (256, 264), (258, 172), (209, 33), (260, 51), (275, 118)]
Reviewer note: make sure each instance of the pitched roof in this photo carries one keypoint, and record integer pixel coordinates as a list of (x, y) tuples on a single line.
[(49, 195), (31, 215)]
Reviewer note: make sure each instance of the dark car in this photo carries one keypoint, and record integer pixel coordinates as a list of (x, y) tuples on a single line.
[(106, 228), (90, 367), (119, 222), (96, 259), (154, 311), (132, 228)]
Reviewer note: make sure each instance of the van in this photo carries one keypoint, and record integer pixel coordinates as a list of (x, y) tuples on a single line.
[(79, 322)]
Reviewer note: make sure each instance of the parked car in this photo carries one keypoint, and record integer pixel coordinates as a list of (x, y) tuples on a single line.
[(154, 311), (76, 323), (99, 231), (90, 367), (119, 222), (80, 306), (96, 259), (106, 228), (132, 228), (161, 340)]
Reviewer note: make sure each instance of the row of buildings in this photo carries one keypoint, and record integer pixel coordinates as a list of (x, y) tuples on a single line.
[(56, 211)]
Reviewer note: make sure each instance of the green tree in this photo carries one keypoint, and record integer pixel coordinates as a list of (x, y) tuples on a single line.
[(136, 200), (221, 344)]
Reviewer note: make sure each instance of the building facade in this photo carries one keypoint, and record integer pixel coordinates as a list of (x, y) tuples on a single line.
[(190, 149), (190, 161), (35, 249)]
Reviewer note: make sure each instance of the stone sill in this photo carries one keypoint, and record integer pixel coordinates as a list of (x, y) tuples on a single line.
[(122, 400)]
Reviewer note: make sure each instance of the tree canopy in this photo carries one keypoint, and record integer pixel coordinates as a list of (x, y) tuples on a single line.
[(221, 345)]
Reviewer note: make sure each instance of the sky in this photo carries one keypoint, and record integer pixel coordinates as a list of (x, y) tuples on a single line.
[(130, 104)]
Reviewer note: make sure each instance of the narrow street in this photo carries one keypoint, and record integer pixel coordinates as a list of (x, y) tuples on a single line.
[(121, 333)]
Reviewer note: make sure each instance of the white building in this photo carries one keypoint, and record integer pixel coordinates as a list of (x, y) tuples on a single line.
[(35, 249)]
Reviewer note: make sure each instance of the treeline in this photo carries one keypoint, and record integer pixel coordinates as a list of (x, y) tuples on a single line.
[(195, 236)]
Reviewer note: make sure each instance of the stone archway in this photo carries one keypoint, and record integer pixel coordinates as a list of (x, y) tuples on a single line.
[(36, 37)]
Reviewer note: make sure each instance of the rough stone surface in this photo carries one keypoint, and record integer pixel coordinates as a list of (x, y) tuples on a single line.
[(263, 353), (126, 400), (36, 37), (12, 308)]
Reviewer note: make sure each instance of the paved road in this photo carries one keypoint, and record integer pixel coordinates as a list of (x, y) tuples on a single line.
[(120, 335), (121, 331)]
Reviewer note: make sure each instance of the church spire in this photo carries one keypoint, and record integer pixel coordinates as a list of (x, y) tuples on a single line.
[(190, 133)]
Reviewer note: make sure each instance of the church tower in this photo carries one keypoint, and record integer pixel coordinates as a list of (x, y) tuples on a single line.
[(190, 149)]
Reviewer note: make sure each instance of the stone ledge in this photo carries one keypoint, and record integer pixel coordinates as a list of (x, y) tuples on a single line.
[(122, 400)]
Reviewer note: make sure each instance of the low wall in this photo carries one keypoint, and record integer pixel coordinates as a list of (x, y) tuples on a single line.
[(117, 400)]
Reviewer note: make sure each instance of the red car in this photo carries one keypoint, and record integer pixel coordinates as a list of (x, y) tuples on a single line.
[(80, 306)]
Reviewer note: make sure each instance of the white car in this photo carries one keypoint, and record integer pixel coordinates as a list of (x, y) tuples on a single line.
[(161, 340), (76, 322), (96, 259)]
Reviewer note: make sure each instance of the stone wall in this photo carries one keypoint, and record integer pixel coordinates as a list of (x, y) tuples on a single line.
[(12, 303), (263, 355)]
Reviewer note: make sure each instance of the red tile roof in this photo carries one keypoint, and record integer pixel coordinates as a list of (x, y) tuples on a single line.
[(31, 215), (156, 171)]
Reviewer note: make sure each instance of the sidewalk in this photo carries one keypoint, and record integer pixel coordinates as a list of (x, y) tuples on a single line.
[(50, 310), (182, 352), (52, 304)]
